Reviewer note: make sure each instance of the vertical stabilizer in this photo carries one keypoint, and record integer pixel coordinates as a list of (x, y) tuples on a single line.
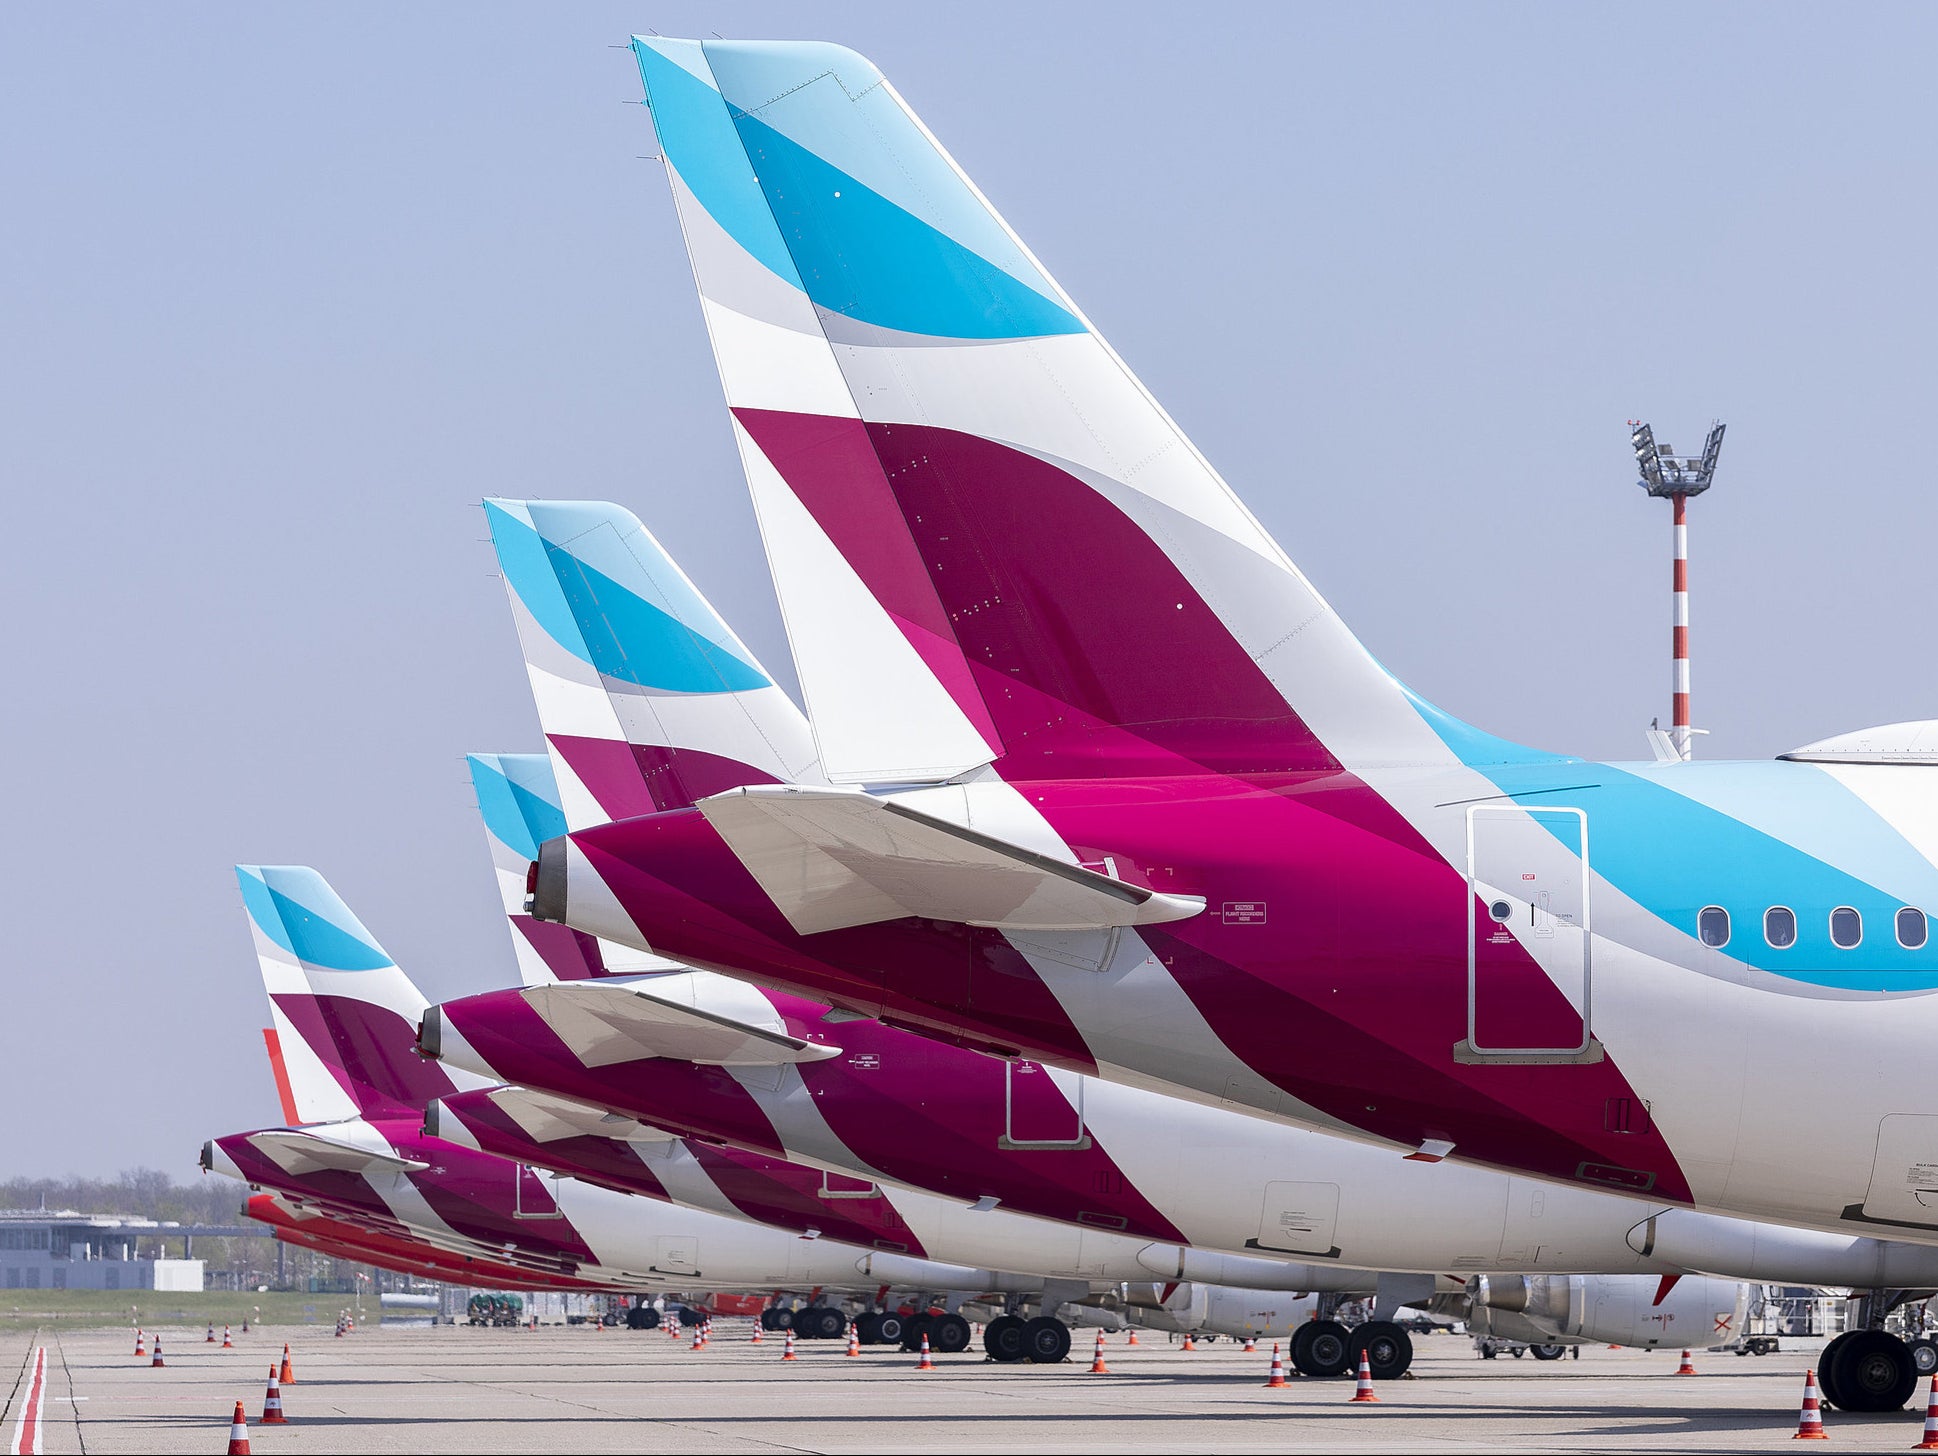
[(518, 800), (988, 538), (647, 698), (345, 1013)]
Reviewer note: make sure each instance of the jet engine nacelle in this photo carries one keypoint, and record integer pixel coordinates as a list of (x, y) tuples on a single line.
[(1221, 1309), (1619, 1309)]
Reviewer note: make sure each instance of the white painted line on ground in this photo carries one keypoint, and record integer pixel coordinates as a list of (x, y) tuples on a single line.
[(26, 1426)]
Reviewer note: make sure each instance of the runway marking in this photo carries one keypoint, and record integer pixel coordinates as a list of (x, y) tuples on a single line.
[(26, 1426)]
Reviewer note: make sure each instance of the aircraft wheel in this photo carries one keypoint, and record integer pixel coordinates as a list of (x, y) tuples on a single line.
[(1322, 1348), (949, 1335), (868, 1329), (1002, 1338), (767, 1320), (827, 1322), (642, 1318), (1046, 1340), (1873, 1371), (916, 1326), (1388, 1349), (1547, 1352), (890, 1328), (1924, 1355)]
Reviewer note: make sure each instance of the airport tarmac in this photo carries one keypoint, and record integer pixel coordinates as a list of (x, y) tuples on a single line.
[(573, 1389)]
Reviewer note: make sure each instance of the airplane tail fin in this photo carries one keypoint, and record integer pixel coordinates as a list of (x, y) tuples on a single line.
[(647, 698), (345, 1013), (988, 539), (518, 799)]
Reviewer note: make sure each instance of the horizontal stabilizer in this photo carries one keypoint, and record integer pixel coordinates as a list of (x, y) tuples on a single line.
[(545, 1118), (305, 1152), (604, 1022), (830, 858)]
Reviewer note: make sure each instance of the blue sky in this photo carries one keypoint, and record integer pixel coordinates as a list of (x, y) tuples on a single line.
[(289, 291)]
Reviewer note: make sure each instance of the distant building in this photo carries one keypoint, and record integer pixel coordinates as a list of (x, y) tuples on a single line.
[(64, 1250)]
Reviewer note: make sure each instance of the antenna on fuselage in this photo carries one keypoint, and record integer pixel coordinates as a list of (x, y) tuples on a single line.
[(1672, 477)]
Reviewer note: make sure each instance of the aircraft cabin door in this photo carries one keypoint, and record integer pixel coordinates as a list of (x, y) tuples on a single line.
[(1529, 952)]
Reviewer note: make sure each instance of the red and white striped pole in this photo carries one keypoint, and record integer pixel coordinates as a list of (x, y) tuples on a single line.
[(1679, 732)]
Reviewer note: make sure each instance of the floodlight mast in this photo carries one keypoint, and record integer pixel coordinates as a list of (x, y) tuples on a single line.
[(1672, 477)]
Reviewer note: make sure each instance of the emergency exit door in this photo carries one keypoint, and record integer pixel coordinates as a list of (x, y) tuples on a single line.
[(1529, 962)]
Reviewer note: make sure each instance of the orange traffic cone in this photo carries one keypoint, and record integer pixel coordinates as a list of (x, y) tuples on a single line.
[(1278, 1369), (1097, 1366), (1687, 1367), (211, 1339), (288, 1375), (1363, 1393), (787, 1350), (706, 1333), (141, 1345), (926, 1363), (1133, 1338), (854, 1341), (1189, 1343), (157, 1362), (1810, 1420), (1930, 1442), (238, 1434), (756, 1339), (699, 1337), (272, 1403), (227, 1343)]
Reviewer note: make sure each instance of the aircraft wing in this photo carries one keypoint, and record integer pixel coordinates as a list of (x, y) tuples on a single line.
[(547, 1119), (305, 1152), (604, 1022), (830, 858)]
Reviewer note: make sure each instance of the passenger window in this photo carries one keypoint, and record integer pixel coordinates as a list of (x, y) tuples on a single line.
[(1780, 927), (1712, 924), (1911, 928), (1846, 927)]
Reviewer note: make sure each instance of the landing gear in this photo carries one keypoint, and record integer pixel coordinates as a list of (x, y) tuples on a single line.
[(1924, 1355), (1322, 1347), (642, 1317), (891, 1328), (949, 1334), (1868, 1370), (1002, 1339), (820, 1322), (1046, 1341), (1387, 1347), (776, 1320), (1547, 1352)]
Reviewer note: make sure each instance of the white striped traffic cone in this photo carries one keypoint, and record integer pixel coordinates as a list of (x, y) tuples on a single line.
[(1810, 1420), (787, 1350), (1363, 1392), (854, 1341), (926, 1363), (1930, 1442), (272, 1403), (238, 1433), (1278, 1369)]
